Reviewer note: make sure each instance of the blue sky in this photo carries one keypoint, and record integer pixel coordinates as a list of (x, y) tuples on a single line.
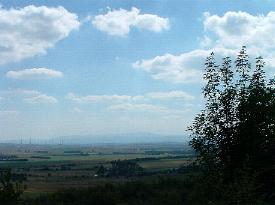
[(108, 67)]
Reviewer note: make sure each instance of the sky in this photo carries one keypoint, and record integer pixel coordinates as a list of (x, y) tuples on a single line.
[(118, 66)]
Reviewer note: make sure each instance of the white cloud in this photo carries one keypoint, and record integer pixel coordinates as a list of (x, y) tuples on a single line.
[(7, 115), (97, 98), (119, 22), (171, 95), (18, 93), (29, 31), (148, 108), (234, 29), (128, 98), (41, 98), (138, 103), (205, 42), (30, 96), (231, 31), (34, 73), (184, 68), (11, 93), (175, 68), (77, 110), (4, 113), (139, 107)]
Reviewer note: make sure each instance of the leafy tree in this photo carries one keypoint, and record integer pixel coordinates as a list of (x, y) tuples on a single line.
[(125, 168), (256, 131), (101, 170), (234, 135), (9, 192), (205, 130)]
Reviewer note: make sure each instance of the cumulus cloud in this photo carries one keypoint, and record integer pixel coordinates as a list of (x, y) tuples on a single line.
[(228, 34), (234, 29), (184, 68), (174, 68), (119, 22), (31, 30), (34, 73)]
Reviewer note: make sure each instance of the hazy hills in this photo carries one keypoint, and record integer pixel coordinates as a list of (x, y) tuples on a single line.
[(131, 138), (124, 138)]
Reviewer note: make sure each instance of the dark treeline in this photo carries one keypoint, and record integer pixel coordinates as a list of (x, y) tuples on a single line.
[(131, 167), (119, 168), (162, 191)]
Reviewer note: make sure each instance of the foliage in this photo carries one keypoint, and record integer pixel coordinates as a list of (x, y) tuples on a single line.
[(234, 135), (161, 191), (119, 168), (9, 192)]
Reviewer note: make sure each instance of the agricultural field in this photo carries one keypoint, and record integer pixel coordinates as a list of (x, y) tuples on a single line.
[(48, 168)]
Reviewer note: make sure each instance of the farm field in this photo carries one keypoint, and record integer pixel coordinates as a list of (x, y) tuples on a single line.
[(48, 168)]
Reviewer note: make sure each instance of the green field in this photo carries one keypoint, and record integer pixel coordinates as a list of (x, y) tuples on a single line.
[(52, 167)]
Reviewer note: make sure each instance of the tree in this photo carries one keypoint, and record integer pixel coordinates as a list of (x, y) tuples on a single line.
[(243, 68), (256, 131), (101, 171), (9, 192), (205, 130), (227, 116), (234, 135), (125, 168)]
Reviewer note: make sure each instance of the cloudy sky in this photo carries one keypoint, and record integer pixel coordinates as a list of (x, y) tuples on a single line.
[(117, 66)]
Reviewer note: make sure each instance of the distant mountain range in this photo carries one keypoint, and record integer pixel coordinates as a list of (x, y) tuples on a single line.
[(123, 138), (127, 138)]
